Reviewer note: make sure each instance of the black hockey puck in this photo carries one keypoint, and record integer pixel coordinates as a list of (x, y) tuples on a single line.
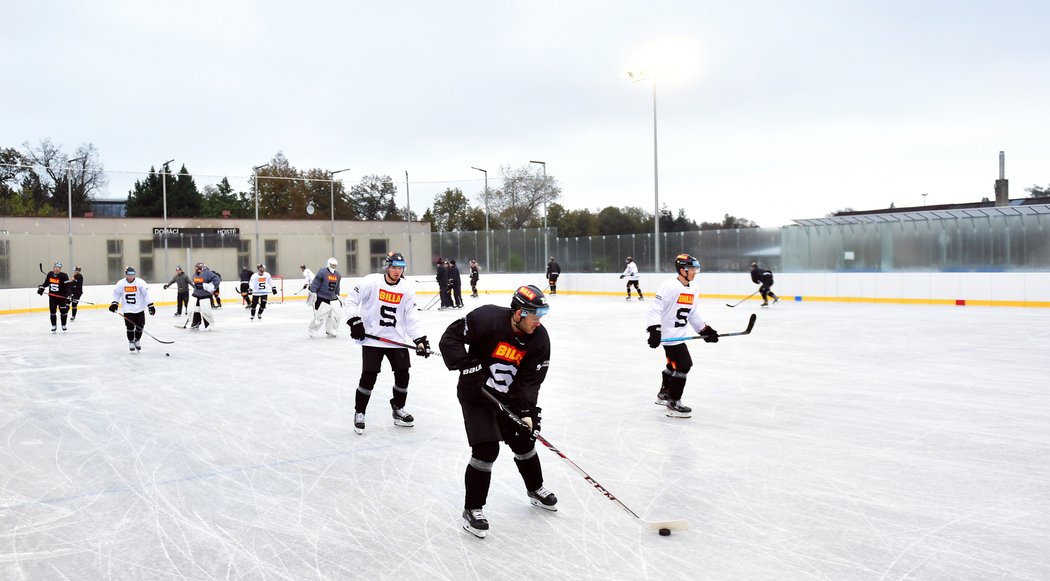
[(665, 532), (167, 354)]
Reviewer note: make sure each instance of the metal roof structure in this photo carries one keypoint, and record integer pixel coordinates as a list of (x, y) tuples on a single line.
[(928, 215)]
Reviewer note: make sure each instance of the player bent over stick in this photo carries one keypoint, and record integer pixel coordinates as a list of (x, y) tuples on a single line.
[(325, 287), (385, 306), (133, 295), (669, 315), (504, 352)]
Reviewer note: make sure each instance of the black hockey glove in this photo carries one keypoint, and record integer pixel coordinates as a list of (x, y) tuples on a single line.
[(622, 275), (357, 328), (113, 307), (532, 417), (152, 309), (654, 336), (472, 375), (166, 286), (274, 290), (304, 286), (40, 290), (422, 346), (709, 334)]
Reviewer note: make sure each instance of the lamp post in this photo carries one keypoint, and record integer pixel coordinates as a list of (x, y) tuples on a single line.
[(637, 77), (488, 256), (69, 196), (924, 199), (546, 252), (332, 202), (408, 218), (164, 190), (255, 172)]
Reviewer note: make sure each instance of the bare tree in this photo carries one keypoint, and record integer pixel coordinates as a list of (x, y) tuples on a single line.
[(522, 196)]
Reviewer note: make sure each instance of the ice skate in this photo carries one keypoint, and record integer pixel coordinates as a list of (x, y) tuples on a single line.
[(54, 328), (640, 298), (359, 423), (131, 347), (475, 523), (776, 299), (662, 398), (543, 498), (628, 297), (401, 417), (63, 327), (675, 409), (138, 345)]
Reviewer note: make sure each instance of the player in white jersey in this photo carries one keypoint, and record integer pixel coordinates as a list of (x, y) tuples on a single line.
[(308, 277), (631, 273), (672, 312), (384, 305), (132, 294), (260, 285)]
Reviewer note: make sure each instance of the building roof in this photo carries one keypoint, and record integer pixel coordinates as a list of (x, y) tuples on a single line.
[(1022, 206)]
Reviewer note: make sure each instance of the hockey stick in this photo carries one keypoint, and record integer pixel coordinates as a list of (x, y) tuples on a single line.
[(41, 265), (432, 301), (398, 343), (655, 526), (747, 331), (68, 299), (145, 332), (742, 300)]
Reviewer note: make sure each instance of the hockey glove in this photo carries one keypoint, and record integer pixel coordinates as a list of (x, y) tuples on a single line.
[(152, 309), (532, 418), (422, 346), (472, 375), (621, 276), (40, 290), (304, 286), (166, 286), (274, 290), (709, 334), (654, 336), (357, 329), (113, 307)]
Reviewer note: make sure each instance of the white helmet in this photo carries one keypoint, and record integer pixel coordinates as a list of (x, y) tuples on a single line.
[(332, 263)]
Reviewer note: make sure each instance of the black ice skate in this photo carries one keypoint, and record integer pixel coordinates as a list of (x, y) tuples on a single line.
[(138, 345), (131, 347), (675, 409), (543, 498), (475, 523), (359, 423), (661, 398), (401, 417)]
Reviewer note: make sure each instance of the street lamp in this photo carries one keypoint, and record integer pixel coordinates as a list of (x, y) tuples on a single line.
[(164, 190), (332, 201), (408, 218), (546, 253), (637, 77), (924, 199), (69, 196), (487, 254), (255, 172)]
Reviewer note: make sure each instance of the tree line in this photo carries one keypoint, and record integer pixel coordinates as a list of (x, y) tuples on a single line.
[(36, 180)]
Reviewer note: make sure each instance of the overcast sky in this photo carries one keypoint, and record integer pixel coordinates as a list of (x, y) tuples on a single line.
[(766, 110)]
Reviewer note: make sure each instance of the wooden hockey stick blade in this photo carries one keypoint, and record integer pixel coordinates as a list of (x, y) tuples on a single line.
[(671, 525)]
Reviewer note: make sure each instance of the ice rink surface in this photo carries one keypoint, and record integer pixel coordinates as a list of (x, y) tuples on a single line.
[(837, 441)]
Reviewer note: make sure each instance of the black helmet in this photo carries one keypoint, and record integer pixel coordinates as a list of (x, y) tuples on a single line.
[(529, 298), (394, 259), (685, 261)]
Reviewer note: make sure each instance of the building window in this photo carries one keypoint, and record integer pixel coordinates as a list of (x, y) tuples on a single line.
[(270, 257), (146, 256), (5, 262), (115, 259), (377, 249), (244, 253), (351, 258)]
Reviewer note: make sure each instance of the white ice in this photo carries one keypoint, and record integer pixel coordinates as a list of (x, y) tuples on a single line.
[(837, 441)]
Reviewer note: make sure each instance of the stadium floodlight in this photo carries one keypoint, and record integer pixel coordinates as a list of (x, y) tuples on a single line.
[(164, 194), (69, 196), (546, 252), (332, 201), (487, 236), (255, 172), (638, 77)]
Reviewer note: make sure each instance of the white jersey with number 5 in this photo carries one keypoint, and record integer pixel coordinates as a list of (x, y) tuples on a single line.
[(674, 309), (260, 283), (387, 310), (133, 296)]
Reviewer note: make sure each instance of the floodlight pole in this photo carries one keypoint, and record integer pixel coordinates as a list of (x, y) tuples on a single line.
[(69, 197), (408, 219), (546, 252), (164, 190), (332, 201), (488, 255), (258, 250), (637, 77)]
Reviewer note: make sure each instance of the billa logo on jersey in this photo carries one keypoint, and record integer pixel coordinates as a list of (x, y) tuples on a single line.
[(53, 280), (684, 299), (508, 352), (131, 289), (332, 278), (198, 280), (389, 297)]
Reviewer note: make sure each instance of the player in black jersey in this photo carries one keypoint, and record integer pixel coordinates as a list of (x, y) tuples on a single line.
[(504, 351), (76, 290), (56, 285)]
